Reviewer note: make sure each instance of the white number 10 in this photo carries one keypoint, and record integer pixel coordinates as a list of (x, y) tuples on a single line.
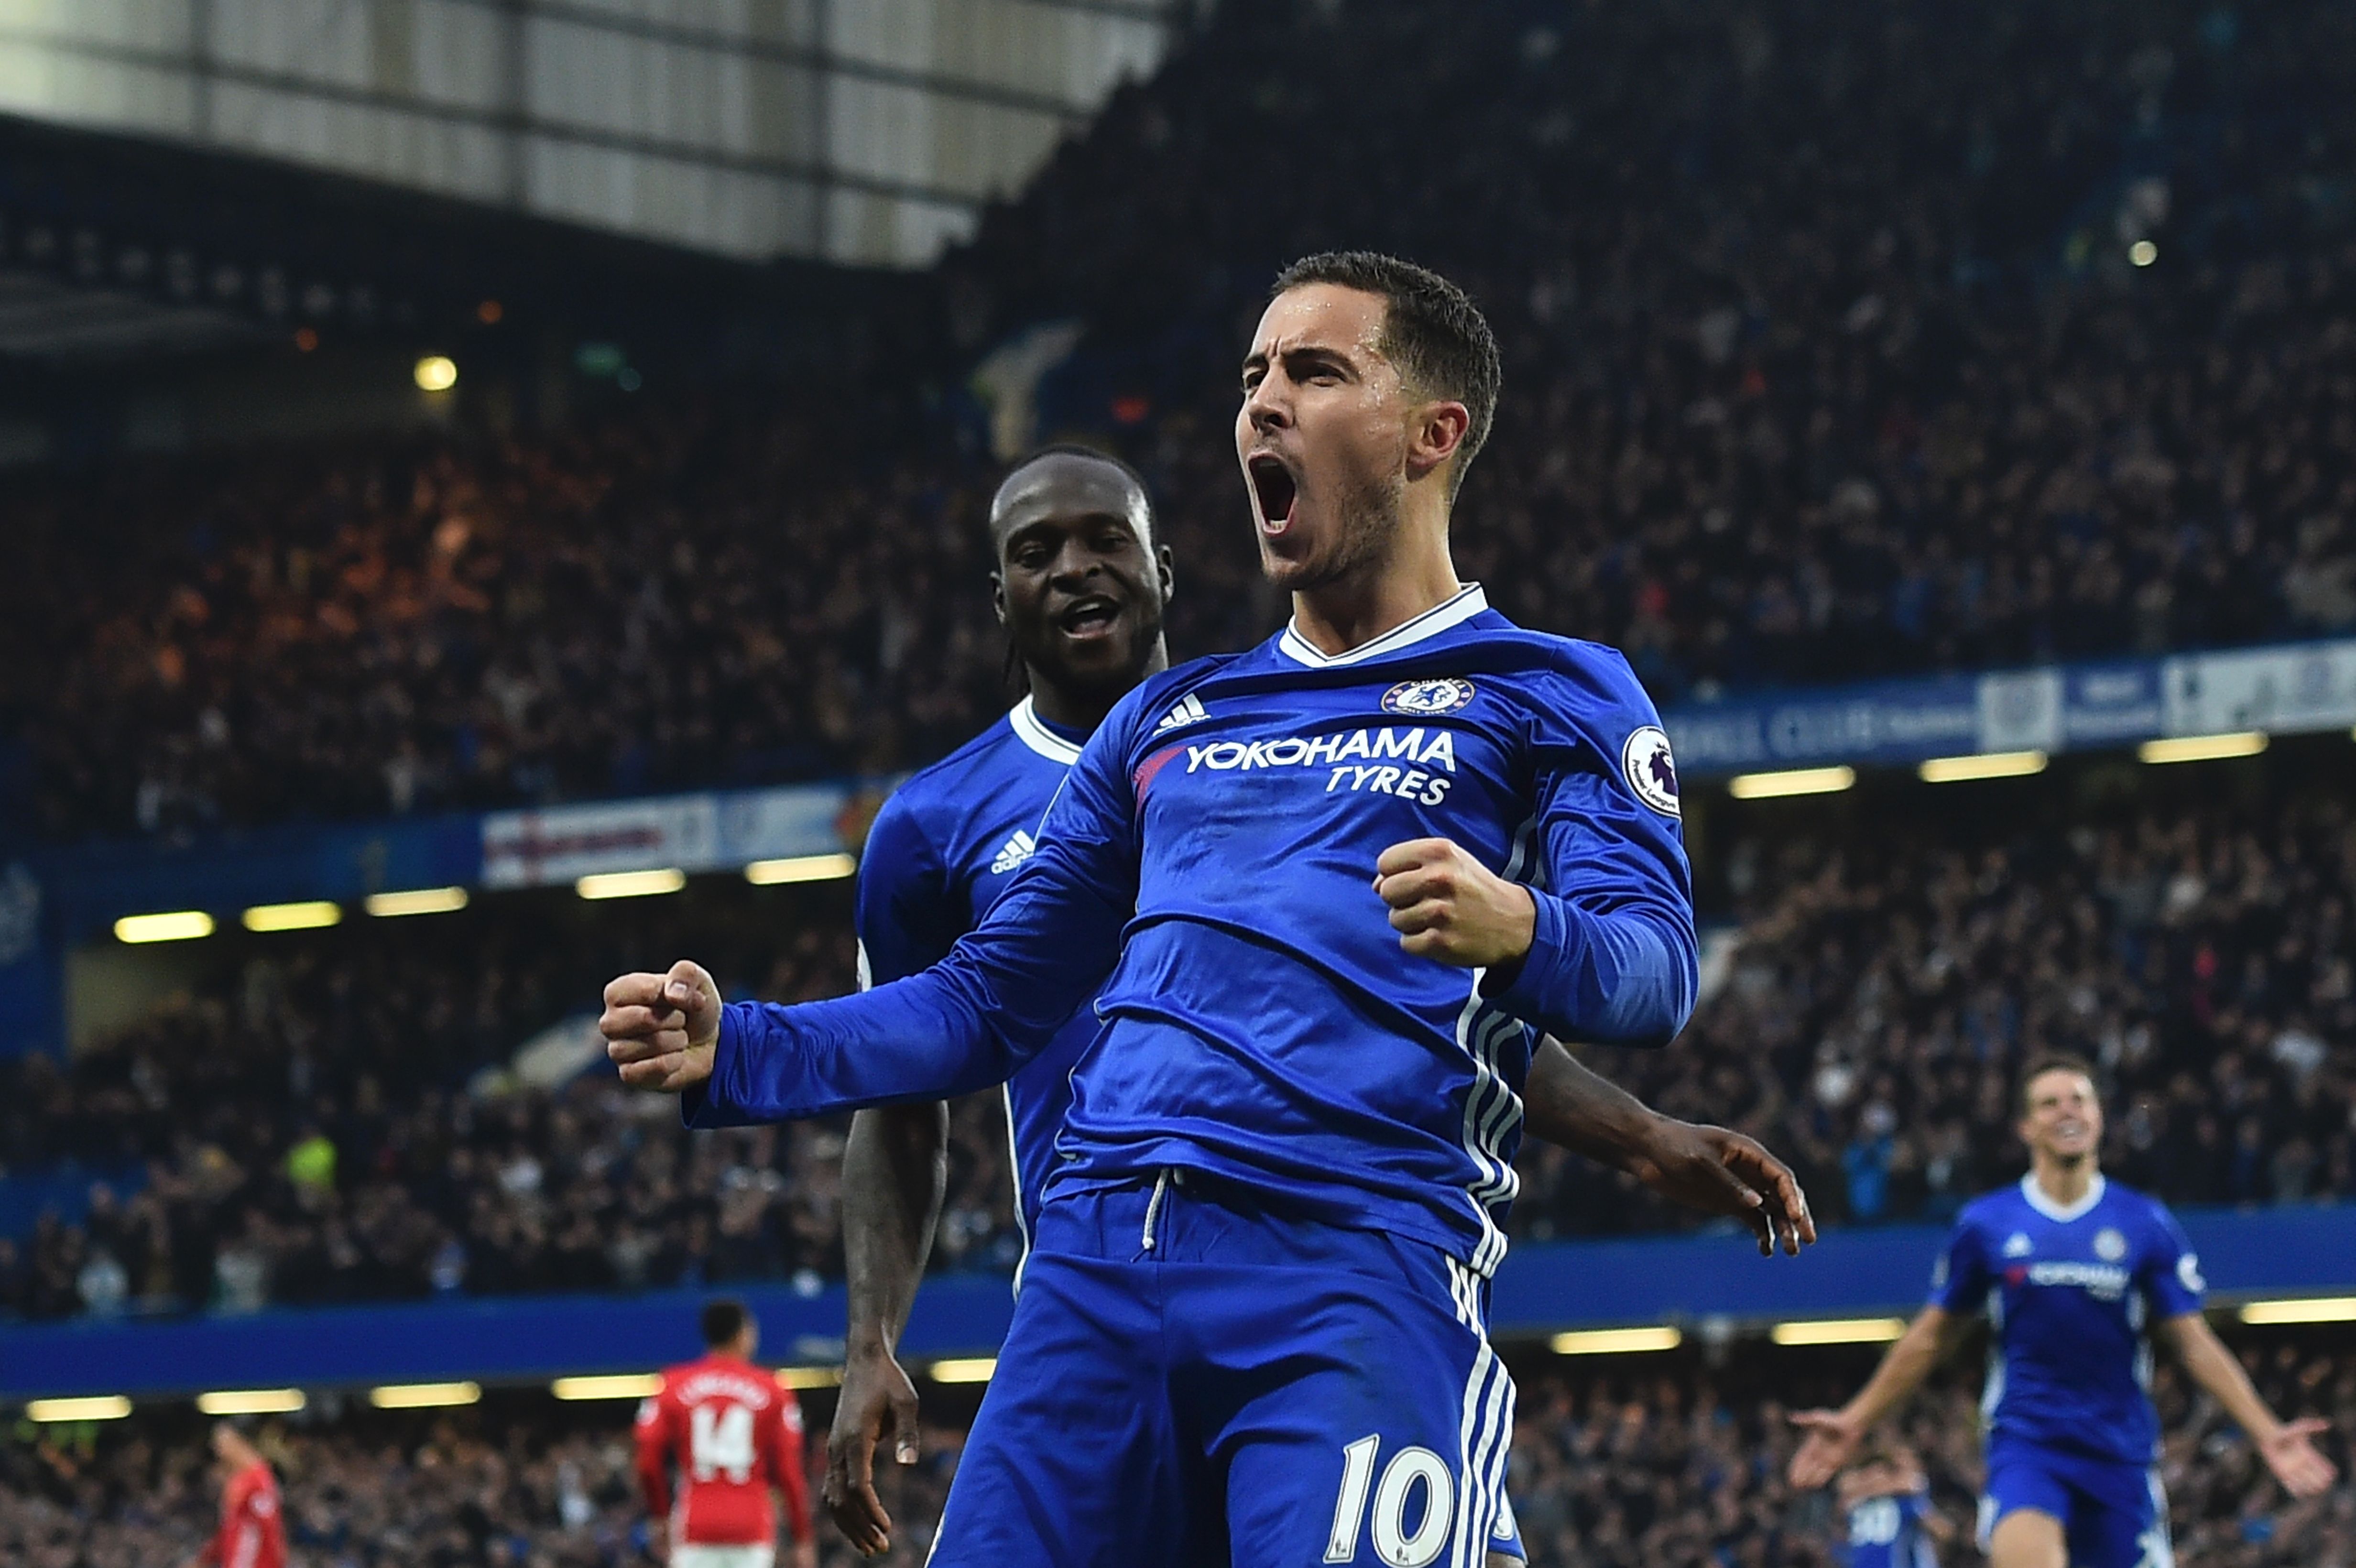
[(1392, 1544)]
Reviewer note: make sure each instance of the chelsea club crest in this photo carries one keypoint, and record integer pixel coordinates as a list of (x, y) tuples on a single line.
[(1445, 695)]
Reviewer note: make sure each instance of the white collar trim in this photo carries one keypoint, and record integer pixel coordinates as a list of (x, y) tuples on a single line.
[(1466, 602), (1032, 732), (2055, 1211)]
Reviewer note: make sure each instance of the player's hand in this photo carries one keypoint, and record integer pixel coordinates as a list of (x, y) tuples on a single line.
[(1831, 1443), (1722, 1172), (661, 1030), (877, 1402), (806, 1553), (1447, 905), (2290, 1453)]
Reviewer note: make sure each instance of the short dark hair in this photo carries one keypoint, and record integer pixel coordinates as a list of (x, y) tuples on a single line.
[(2048, 1061), (722, 1321), (1432, 332), (1087, 453)]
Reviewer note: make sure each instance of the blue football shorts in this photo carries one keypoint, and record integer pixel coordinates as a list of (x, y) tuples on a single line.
[(2112, 1515), (1194, 1378)]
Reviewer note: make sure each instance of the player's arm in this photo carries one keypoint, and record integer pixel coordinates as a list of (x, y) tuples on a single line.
[(1834, 1434), (1710, 1168), (895, 1176), (1610, 958), (2287, 1446), (788, 1476), (966, 1023), (652, 1430)]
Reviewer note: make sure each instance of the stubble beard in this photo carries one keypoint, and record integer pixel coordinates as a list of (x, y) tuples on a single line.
[(1368, 523)]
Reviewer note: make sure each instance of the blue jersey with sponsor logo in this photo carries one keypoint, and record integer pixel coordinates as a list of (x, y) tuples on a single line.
[(1206, 872), (943, 847), (1887, 1533), (2071, 1295)]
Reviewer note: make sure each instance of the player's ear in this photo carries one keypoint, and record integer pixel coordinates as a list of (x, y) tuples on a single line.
[(997, 595), (1435, 436), (1165, 568)]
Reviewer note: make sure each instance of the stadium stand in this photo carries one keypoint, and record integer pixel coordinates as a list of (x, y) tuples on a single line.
[(302, 1130), (1644, 1462), (1815, 370)]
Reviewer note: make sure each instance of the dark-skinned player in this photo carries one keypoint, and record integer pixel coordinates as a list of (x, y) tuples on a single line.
[(1080, 585)]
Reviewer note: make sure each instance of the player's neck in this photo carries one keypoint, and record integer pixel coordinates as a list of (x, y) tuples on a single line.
[(1351, 611), (1083, 710), (2065, 1181)]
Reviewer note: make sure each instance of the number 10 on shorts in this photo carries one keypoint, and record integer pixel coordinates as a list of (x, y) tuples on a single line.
[(1411, 1470)]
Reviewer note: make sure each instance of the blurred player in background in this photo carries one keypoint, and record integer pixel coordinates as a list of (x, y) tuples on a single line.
[(2076, 1275), (1340, 885), (1080, 586), (1885, 1504), (252, 1531), (734, 1434)]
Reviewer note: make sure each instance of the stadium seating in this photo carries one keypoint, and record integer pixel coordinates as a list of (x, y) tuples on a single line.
[(1646, 1462), (1813, 370), (303, 1131)]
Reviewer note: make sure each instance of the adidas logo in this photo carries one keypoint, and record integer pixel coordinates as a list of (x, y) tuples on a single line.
[(1016, 850), (1190, 711)]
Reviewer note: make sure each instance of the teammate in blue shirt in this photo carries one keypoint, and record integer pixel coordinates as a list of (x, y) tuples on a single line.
[(1080, 586), (1324, 895), (1892, 1522), (2076, 1276)]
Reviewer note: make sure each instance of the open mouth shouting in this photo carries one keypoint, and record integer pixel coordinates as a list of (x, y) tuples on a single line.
[(1089, 617), (1275, 491)]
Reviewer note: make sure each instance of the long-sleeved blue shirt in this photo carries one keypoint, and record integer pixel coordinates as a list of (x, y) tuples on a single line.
[(1209, 864)]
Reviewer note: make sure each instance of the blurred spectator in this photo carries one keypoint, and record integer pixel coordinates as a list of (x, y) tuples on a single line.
[(1827, 354)]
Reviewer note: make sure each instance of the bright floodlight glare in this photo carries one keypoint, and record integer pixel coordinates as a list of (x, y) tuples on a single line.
[(2203, 747), (616, 1385), (436, 373), (93, 1407), (178, 925), (2143, 252), (630, 884), (423, 1396), (417, 901), (973, 1369), (308, 915), (1617, 1341), (1796, 781), (1982, 765), (800, 869), (1838, 1331), (251, 1401), (2314, 1309), (810, 1377)]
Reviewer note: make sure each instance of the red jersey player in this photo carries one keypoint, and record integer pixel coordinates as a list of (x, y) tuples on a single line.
[(733, 1434), (253, 1532)]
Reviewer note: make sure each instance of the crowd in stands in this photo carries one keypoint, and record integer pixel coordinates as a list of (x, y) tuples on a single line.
[(1626, 1463), (329, 1121), (1889, 978), (1826, 355)]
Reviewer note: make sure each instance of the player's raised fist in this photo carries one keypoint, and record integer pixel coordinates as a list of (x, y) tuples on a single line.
[(661, 1030), (1447, 905)]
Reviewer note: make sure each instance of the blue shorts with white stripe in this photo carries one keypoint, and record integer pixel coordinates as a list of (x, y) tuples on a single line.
[(1192, 1376)]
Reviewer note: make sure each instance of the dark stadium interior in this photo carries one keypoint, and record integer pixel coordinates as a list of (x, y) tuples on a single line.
[(1841, 341)]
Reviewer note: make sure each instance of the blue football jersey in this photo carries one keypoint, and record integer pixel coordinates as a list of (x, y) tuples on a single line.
[(2071, 1295), (1887, 1533), (1206, 874), (943, 847)]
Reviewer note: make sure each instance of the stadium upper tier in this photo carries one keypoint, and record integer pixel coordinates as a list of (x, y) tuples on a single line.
[(1839, 341), (313, 1122)]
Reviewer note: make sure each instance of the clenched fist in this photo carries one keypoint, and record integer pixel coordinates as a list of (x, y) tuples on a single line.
[(662, 1029), (1447, 905)]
